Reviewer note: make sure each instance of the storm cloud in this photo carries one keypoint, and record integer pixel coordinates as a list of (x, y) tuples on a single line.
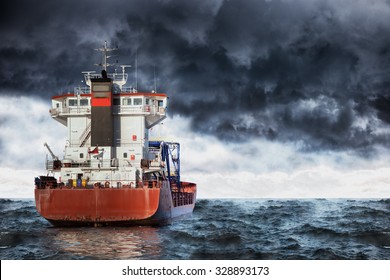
[(312, 73)]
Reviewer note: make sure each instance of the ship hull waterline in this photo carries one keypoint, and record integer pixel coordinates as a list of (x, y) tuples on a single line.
[(110, 206)]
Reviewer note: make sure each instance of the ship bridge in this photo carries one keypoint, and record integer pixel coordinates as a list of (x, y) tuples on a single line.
[(71, 107), (125, 100), (150, 104)]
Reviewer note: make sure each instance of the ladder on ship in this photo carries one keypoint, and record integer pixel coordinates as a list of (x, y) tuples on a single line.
[(85, 135)]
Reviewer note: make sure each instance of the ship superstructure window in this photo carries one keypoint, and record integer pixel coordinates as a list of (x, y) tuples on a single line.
[(137, 101), (72, 102), (127, 101), (81, 155), (160, 103), (84, 102), (124, 155), (147, 101)]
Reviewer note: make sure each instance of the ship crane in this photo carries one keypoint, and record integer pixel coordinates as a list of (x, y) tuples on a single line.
[(50, 151)]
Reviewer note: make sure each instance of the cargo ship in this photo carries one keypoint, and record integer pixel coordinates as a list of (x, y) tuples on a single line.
[(111, 173)]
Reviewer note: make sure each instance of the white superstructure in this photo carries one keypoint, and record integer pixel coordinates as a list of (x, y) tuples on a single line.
[(126, 160)]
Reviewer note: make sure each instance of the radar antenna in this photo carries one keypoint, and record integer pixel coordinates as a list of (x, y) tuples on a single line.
[(87, 77), (121, 79)]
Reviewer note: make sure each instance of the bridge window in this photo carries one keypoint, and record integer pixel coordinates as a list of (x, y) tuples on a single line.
[(137, 101), (84, 102), (72, 102), (127, 101)]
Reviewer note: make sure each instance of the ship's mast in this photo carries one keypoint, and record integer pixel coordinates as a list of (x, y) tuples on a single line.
[(105, 50), (119, 79)]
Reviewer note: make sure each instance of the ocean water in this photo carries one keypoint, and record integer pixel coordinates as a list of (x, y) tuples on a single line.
[(315, 229)]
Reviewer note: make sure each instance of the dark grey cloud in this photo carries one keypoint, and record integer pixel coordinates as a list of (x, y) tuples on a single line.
[(315, 73)]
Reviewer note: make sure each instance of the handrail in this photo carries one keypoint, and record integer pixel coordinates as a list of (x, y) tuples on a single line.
[(84, 136), (90, 184), (70, 110), (82, 90), (118, 109), (182, 198)]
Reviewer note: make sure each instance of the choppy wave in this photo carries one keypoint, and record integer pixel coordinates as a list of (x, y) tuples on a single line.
[(218, 229)]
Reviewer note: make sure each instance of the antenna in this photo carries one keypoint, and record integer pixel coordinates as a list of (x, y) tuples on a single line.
[(155, 82), (136, 69), (105, 50)]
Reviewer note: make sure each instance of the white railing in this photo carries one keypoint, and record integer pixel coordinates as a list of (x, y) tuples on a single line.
[(123, 109), (71, 110), (82, 90), (128, 142), (117, 109), (131, 109), (129, 89)]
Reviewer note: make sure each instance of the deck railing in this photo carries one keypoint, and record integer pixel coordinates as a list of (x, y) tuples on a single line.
[(117, 109), (45, 182), (182, 198)]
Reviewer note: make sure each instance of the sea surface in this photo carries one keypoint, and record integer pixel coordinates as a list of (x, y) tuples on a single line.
[(308, 229)]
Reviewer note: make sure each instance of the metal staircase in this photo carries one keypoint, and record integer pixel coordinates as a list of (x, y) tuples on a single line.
[(86, 134)]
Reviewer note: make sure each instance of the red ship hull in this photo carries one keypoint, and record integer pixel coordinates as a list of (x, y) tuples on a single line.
[(114, 206)]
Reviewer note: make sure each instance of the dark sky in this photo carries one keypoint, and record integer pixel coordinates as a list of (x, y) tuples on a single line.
[(313, 73)]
